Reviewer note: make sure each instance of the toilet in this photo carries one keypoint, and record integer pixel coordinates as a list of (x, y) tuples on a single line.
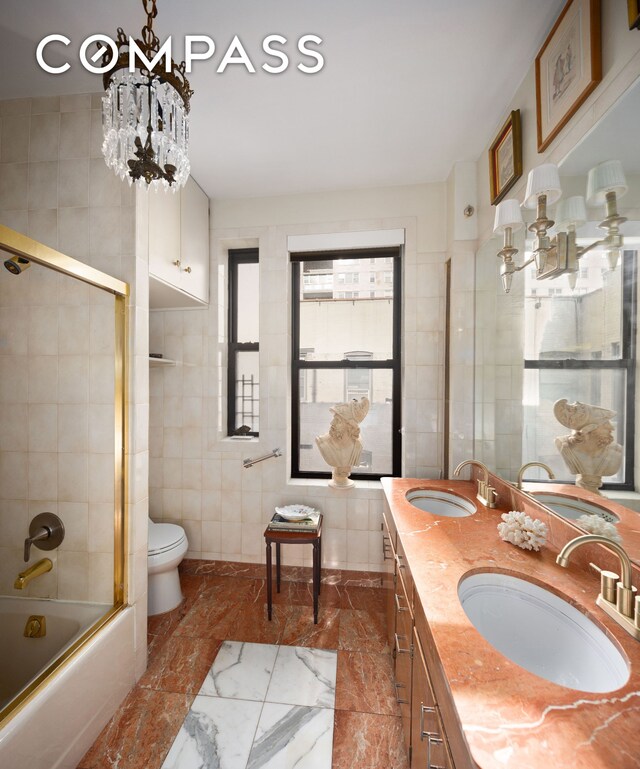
[(167, 547)]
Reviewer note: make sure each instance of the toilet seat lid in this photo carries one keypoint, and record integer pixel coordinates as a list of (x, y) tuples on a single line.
[(164, 536)]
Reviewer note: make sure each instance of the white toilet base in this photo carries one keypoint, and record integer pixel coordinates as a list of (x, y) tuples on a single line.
[(164, 592)]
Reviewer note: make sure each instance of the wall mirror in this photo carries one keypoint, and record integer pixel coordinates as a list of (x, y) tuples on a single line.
[(545, 340)]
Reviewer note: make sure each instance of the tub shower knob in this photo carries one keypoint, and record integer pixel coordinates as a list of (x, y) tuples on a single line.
[(46, 532)]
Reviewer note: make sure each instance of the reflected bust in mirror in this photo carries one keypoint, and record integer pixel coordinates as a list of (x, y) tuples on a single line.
[(589, 451)]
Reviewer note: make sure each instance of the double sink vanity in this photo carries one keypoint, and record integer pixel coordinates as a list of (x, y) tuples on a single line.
[(502, 657)]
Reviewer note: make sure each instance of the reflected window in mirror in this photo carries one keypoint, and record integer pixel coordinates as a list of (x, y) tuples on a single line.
[(579, 344)]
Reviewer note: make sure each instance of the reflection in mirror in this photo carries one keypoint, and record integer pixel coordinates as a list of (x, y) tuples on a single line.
[(545, 341)]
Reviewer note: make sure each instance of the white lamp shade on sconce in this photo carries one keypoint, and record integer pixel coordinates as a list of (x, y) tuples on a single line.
[(605, 177), (543, 180), (571, 213), (508, 214)]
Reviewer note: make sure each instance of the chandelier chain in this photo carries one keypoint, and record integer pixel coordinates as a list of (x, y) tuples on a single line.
[(149, 38)]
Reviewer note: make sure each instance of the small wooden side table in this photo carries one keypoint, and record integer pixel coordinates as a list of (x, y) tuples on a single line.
[(280, 537)]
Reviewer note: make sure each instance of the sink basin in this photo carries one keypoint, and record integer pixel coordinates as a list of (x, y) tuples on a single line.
[(441, 503), (571, 508), (542, 632)]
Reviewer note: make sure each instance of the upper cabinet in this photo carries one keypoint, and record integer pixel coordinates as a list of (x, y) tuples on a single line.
[(179, 247)]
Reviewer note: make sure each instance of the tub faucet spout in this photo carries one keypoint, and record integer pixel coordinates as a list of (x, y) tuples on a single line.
[(39, 567)]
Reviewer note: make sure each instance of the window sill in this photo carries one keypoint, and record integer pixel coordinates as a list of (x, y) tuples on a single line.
[(630, 499), (323, 482)]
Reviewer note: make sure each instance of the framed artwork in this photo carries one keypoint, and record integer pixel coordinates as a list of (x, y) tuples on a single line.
[(505, 158), (634, 14), (568, 67)]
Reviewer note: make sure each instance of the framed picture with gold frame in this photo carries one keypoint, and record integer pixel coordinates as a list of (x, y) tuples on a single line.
[(568, 67), (505, 158), (634, 14)]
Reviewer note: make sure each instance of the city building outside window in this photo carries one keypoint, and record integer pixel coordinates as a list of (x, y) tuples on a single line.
[(344, 350)]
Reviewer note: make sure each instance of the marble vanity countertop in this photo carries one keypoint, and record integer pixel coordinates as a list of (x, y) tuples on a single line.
[(508, 716)]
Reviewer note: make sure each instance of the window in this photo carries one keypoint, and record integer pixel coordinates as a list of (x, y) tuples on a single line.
[(580, 345), (243, 401), (344, 350)]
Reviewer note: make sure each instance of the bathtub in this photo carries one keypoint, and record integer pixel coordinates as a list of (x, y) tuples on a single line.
[(23, 659)]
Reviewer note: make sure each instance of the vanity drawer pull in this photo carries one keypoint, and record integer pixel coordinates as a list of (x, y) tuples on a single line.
[(398, 607), (409, 650), (398, 559), (398, 700)]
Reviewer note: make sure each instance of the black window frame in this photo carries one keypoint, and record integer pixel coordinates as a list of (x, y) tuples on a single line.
[(627, 362), (393, 364), (236, 257)]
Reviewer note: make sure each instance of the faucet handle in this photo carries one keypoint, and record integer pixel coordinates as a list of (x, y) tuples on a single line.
[(608, 582), (47, 530), (625, 599)]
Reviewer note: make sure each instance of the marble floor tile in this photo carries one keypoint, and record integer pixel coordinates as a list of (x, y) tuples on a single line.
[(366, 598), (249, 623), (240, 671), (306, 680), (292, 737), (304, 677), (368, 741), (216, 734), (140, 733), (154, 644), (365, 683), (363, 631), (180, 665), (211, 607), (301, 631), (302, 593)]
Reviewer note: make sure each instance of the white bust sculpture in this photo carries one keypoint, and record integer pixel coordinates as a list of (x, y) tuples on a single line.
[(589, 451), (341, 446)]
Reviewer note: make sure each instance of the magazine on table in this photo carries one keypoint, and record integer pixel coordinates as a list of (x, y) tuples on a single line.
[(306, 520)]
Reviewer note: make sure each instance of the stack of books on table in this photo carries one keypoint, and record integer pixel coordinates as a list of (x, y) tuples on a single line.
[(308, 523)]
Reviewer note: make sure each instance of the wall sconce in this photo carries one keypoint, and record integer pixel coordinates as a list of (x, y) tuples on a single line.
[(559, 255)]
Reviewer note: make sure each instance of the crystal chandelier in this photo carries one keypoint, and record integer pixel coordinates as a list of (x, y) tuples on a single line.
[(145, 113)]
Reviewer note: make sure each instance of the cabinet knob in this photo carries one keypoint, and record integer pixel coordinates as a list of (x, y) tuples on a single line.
[(177, 263), (187, 269)]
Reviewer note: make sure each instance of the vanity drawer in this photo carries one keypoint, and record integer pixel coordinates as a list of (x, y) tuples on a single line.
[(403, 653), (403, 572), (389, 527), (429, 746), (389, 580)]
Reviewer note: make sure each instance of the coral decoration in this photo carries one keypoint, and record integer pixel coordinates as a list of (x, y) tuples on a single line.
[(596, 525), (522, 530)]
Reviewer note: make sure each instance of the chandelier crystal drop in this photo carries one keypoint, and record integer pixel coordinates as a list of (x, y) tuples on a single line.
[(145, 115)]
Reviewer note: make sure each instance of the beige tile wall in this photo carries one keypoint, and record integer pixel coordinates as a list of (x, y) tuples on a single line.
[(196, 473)]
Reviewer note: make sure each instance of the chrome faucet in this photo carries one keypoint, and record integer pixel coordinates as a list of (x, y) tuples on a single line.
[(533, 464), (35, 570), (486, 493), (615, 598)]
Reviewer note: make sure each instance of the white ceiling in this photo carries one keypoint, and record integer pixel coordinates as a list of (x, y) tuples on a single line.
[(408, 87)]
